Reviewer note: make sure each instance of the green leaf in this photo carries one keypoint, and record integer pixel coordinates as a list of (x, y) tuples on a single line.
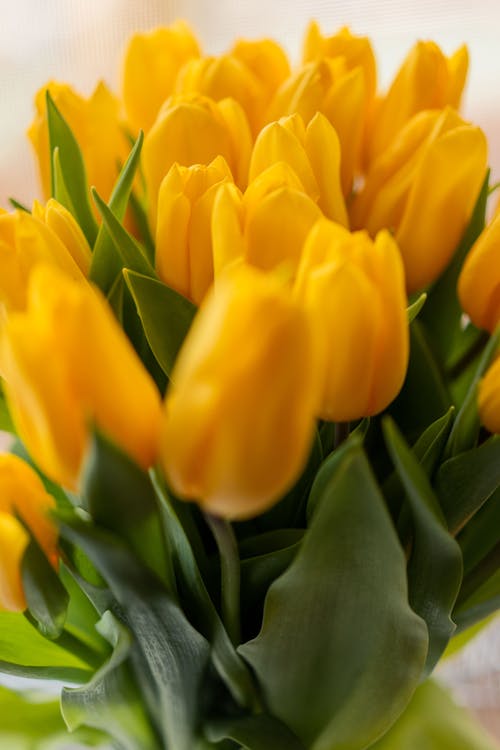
[(481, 533), (414, 309), (435, 565), (482, 602), (165, 314), (340, 651), (72, 170), (327, 470), (106, 263), (60, 191), (6, 423), (254, 733), (110, 702)]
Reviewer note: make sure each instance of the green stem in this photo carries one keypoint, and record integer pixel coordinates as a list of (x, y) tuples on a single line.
[(230, 574), (341, 433)]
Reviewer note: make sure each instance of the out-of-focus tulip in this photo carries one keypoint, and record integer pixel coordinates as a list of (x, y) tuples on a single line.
[(328, 86), (23, 500), (312, 152), (193, 129), (354, 291), (154, 57), (479, 281), (237, 429), (184, 256), (96, 125), (423, 188), (25, 242), (66, 364), (489, 398), (267, 226), (265, 58), (62, 223), (426, 80)]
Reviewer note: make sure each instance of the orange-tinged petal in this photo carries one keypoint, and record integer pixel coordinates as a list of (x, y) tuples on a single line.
[(13, 542), (479, 281), (62, 223)]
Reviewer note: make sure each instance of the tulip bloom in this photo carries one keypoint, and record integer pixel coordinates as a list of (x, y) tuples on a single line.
[(238, 429), (193, 129), (312, 152), (62, 223), (489, 398), (354, 291), (426, 80), (266, 59), (156, 57), (423, 188), (67, 364), (479, 281), (26, 241), (184, 256), (22, 496)]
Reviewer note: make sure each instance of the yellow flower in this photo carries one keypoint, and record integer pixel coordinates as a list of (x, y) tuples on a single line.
[(238, 429), (67, 364), (193, 129), (426, 80), (479, 281), (267, 226), (95, 123), (312, 152), (26, 241), (62, 223), (23, 500), (423, 188), (353, 289), (265, 58), (184, 256), (151, 64), (489, 398)]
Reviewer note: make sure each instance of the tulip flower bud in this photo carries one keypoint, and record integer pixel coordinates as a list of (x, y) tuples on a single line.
[(25, 242), (266, 59), (489, 398), (184, 256), (156, 57), (312, 152), (237, 430), (353, 289), (426, 80), (267, 225), (24, 502), (193, 129), (62, 223), (479, 280), (67, 364), (423, 188)]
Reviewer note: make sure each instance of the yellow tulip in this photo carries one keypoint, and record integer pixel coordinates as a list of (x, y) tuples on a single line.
[(354, 291), (489, 398), (62, 223), (25, 242), (423, 188), (267, 226), (151, 64), (193, 129), (265, 58), (312, 152), (96, 125), (23, 500), (237, 429), (328, 86), (184, 256), (426, 80), (66, 364), (479, 281)]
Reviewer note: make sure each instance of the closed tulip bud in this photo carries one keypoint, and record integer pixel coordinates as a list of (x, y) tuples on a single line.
[(328, 86), (193, 129), (62, 223), (479, 281), (426, 80), (96, 125), (184, 255), (156, 57), (67, 364), (266, 59), (312, 152), (24, 504), (354, 291), (237, 430), (423, 188), (25, 242), (266, 227)]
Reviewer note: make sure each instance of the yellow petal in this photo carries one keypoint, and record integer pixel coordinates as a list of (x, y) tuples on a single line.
[(227, 227), (62, 223), (323, 149), (479, 281), (13, 542)]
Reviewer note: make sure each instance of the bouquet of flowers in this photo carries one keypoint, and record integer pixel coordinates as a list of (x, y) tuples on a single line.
[(251, 375)]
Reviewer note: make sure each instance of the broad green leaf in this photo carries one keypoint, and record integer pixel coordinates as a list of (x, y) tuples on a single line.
[(480, 535), (72, 170), (484, 597), (254, 733), (165, 314), (432, 721), (60, 191), (435, 565), (142, 223), (46, 596), (82, 616), (106, 262), (110, 702), (414, 309), (459, 641), (328, 469), (340, 651)]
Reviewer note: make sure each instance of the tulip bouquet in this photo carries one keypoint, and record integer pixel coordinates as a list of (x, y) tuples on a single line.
[(251, 375)]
